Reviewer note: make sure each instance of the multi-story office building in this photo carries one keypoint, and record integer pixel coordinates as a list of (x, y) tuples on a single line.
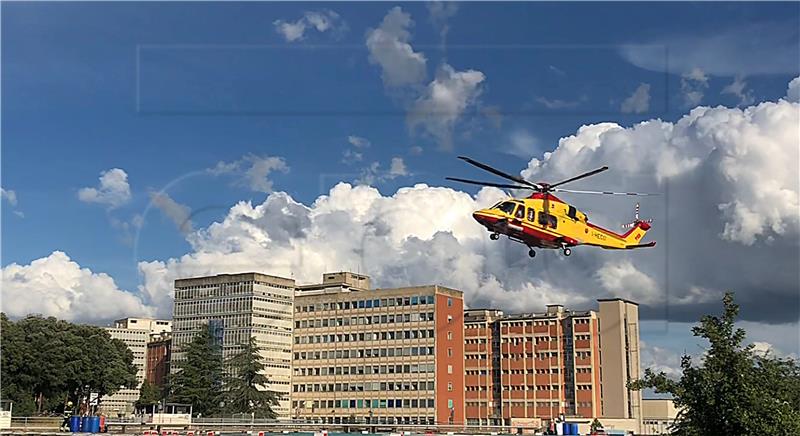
[(544, 365), (136, 333), (481, 366), (236, 307), (159, 350), (381, 356)]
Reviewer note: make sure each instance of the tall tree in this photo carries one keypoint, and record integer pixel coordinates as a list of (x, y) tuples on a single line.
[(733, 390), (244, 384), (198, 380), (149, 396), (46, 361)]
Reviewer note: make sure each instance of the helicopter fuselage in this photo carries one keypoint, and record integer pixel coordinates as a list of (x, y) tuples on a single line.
[(545, 221)]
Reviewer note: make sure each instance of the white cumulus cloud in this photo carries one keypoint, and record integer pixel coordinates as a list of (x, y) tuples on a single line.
[(793, 90), (9, 195), (113, 190), (727, 220), (738, 88), (693, 86), (398, 167), (389, 47), (638, 102), (443, 103), (178, 213), (57, 286), (358, 142), (322, 21), (252, 171)]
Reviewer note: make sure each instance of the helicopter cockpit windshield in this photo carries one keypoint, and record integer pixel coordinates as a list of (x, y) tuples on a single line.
[(507, 207)]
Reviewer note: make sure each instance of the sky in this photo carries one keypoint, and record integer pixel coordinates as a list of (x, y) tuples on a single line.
[(142, 142)]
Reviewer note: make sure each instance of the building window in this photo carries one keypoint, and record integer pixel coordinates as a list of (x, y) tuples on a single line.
[(449, 369), (449, 336), (449, 302), (450, 387), (449, 352)]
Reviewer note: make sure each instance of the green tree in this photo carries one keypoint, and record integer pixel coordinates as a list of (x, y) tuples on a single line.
[(149, 395), (244, 384), (198, 380), (733, 390), (596, 425), (46, 361)]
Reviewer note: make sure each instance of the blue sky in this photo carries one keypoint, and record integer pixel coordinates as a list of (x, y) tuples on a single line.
[(168, 91)]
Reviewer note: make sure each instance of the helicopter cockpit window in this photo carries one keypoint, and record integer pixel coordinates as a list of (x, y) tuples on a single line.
[(507, 207), (531, 215)]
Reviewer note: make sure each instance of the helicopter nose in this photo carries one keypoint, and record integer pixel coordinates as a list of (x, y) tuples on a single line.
[(481, 217)]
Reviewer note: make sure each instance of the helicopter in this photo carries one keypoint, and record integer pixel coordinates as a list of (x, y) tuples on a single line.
[(543, 220)]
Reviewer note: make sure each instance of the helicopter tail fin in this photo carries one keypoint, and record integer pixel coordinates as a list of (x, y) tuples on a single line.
[(634, 236)]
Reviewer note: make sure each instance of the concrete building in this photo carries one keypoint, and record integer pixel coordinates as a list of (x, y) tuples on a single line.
[(159, 351), (136, 333), (619, 333), (658, 414), (236, 307), (379, 356), (528, 369)]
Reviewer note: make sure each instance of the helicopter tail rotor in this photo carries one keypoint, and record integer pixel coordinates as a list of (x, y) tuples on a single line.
[(636, 219)]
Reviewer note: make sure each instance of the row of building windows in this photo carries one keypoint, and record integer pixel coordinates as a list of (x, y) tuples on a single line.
[(527, 323), (228, 321), (237, 304), (365, 387), (364, 353), (553, 387), (224, 289), (371, 336), (371, 404), (529, 371), (367, 369), (369, 304), (364, 320), (540, 355)]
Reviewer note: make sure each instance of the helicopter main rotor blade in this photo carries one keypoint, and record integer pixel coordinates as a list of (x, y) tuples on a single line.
[(497, 172), (496, 185), (587, 174), (573, 191)]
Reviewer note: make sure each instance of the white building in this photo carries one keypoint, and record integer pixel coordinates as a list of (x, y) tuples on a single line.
[(136, 333), (236, 307)]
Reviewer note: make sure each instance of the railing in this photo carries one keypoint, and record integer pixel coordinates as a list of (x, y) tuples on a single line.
[(35, 422)]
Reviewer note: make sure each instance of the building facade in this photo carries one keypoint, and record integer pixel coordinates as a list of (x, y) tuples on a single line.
[(620, 359), (658, 415), (380, 356), (159, 351), (482, 366), (236, 307), (527, 368), (136, 333)]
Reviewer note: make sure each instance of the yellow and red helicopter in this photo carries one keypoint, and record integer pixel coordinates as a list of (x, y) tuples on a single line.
[(543, 220)]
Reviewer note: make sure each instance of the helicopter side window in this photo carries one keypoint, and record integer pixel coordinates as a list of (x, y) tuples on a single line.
[(520, 212), (572, 213), (531, 215), (507, 207), (547, 220)]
